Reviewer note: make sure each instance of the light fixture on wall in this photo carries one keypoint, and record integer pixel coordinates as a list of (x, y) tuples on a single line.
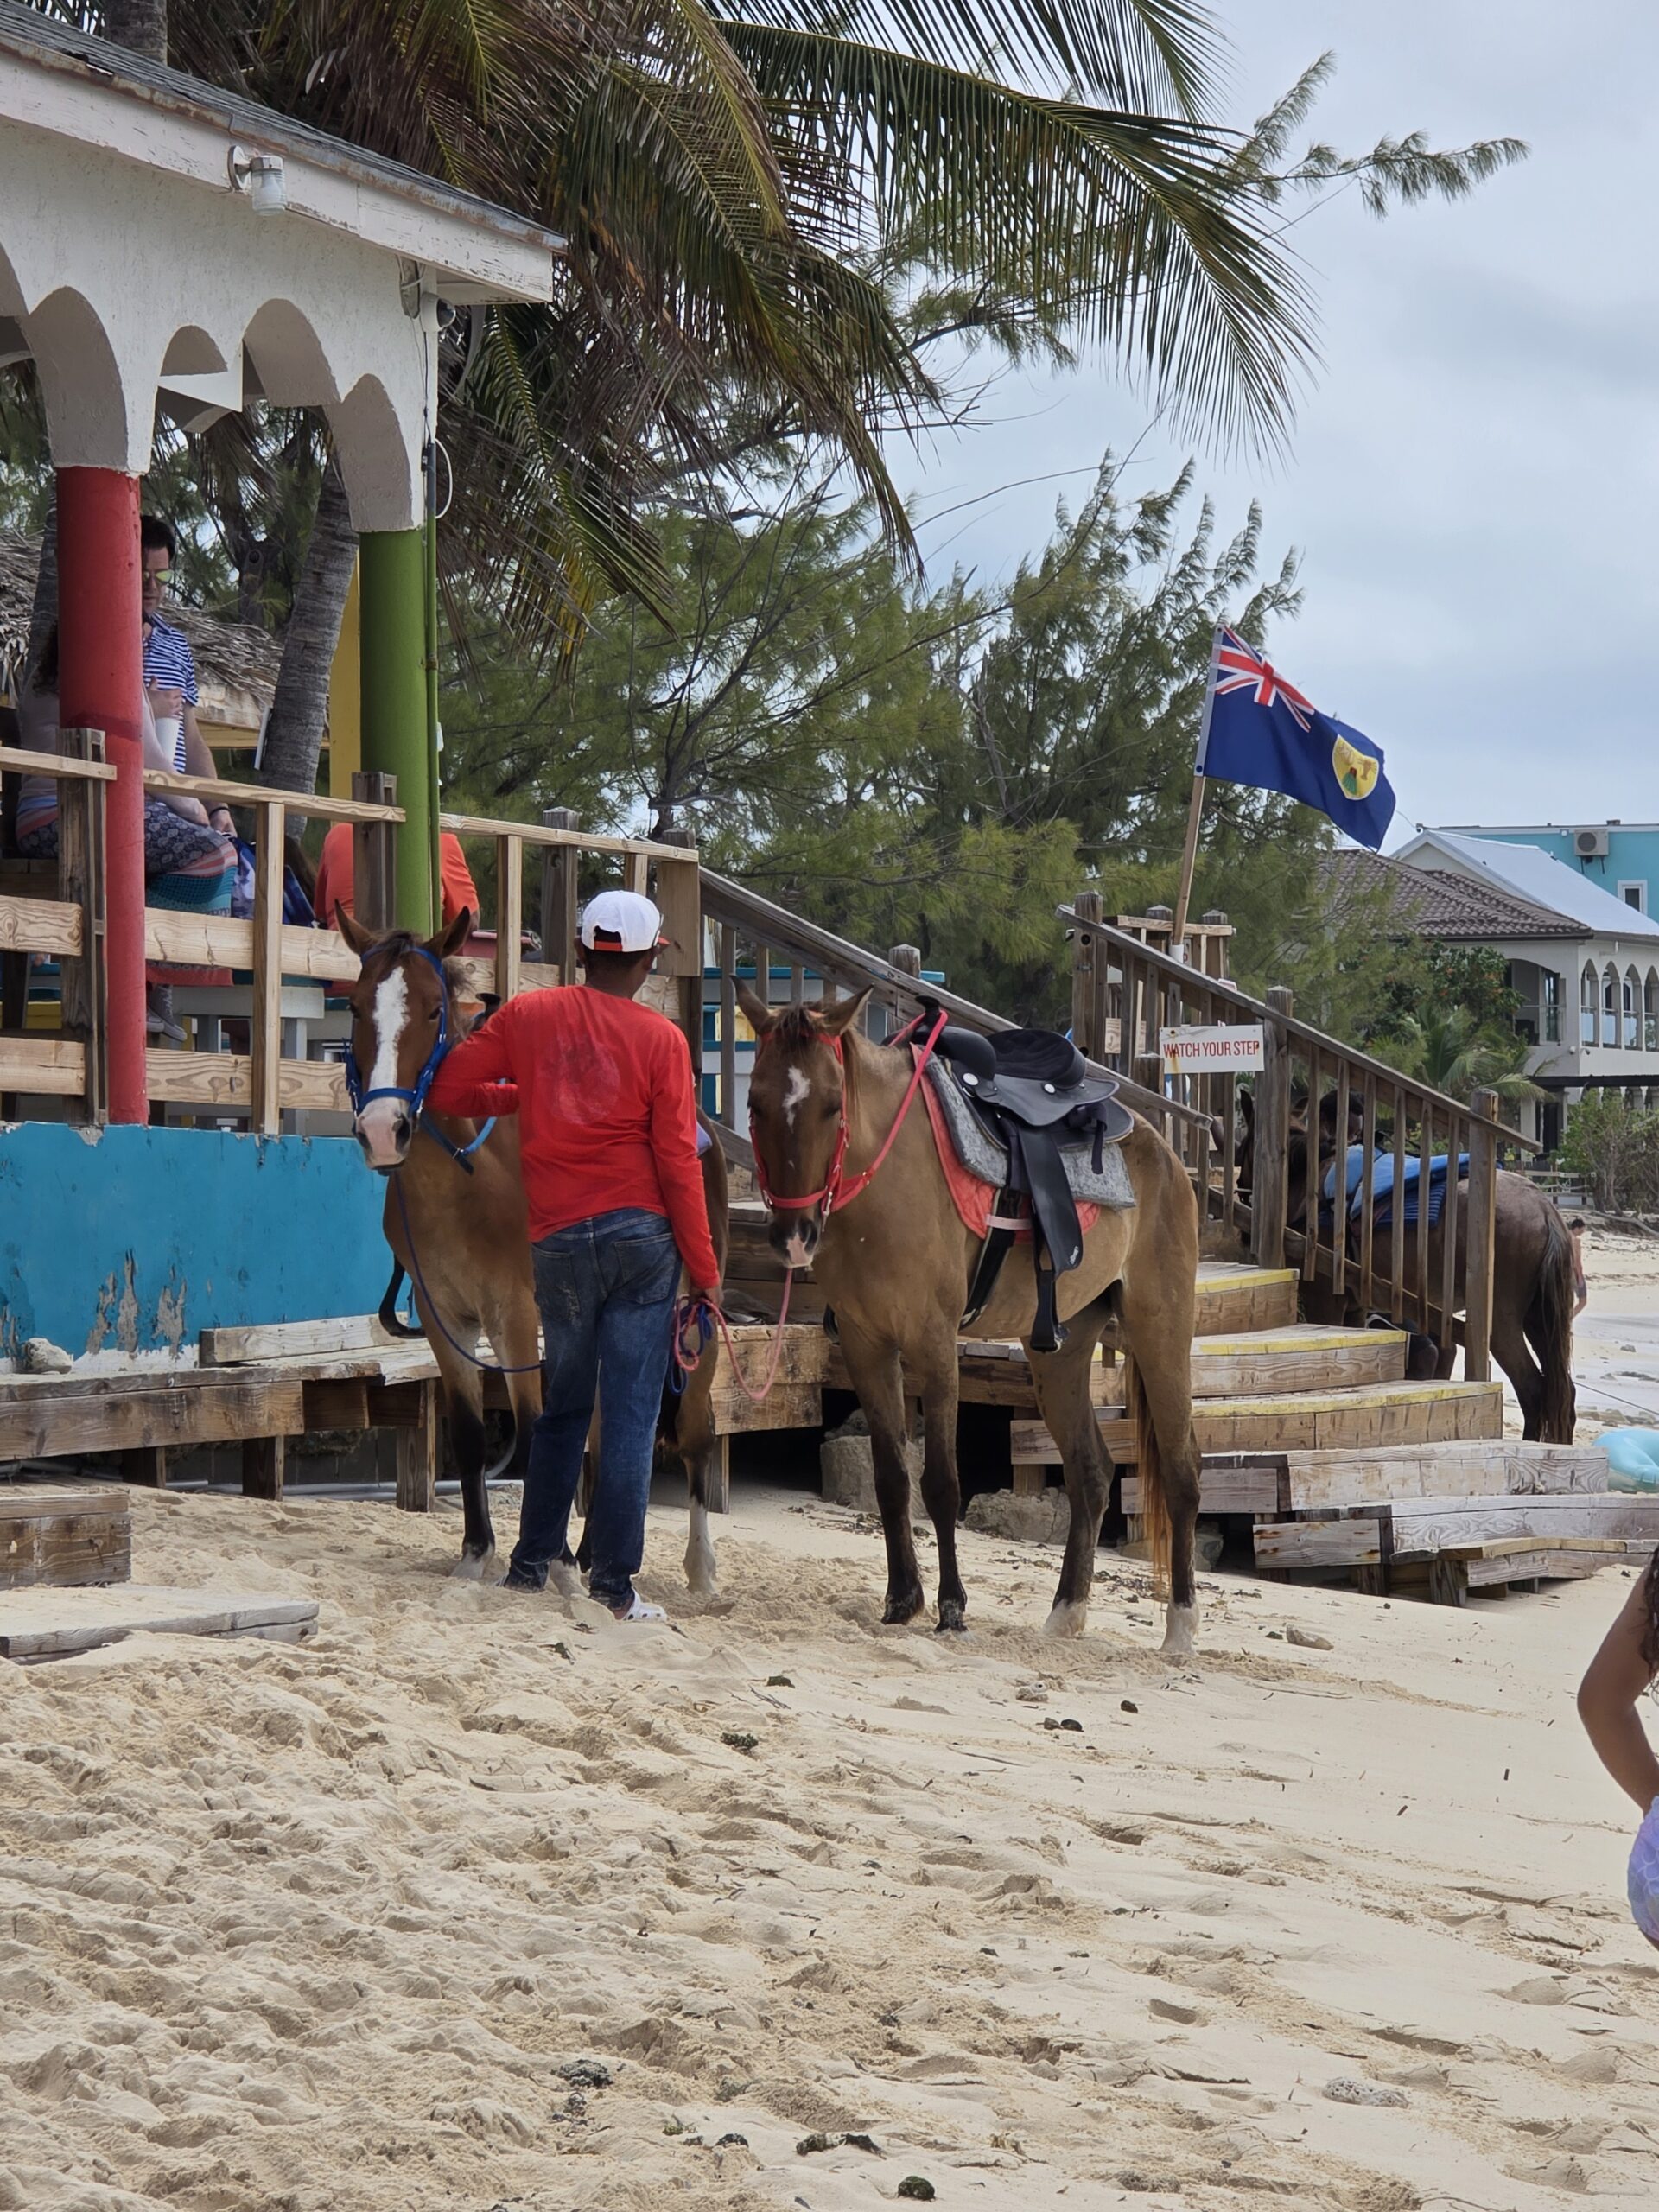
[(262, 176)]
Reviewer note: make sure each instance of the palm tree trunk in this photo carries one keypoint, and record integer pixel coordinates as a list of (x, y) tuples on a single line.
[(300, 709), (44, 613), (139, 25)]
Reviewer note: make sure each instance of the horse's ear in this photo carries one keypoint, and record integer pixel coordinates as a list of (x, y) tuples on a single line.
[(451, 938), (353, 930), (835, 1020), (759, 1015)]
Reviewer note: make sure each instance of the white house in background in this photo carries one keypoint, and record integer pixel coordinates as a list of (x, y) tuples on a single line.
[(1585, 963)]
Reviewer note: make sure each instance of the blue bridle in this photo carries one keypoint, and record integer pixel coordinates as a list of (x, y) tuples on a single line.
[(415, 1099)]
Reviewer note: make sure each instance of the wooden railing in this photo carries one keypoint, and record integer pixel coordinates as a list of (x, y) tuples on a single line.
[(755, 938), (1124, 993), (260, 1085)]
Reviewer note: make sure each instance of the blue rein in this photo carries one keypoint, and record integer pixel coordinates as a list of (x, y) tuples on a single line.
[(415, 1099)]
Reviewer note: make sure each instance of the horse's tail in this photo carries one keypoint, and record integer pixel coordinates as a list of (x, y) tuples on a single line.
[(1550, 1325), (391, 1320), (1154, 1505)]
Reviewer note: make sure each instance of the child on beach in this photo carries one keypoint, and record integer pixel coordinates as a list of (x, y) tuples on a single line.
[(1623, 1667)]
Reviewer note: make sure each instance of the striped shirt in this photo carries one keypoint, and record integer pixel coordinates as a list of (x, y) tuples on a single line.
[(170, 664)]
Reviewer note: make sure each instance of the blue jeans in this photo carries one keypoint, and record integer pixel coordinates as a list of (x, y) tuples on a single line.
[(605, 1291)]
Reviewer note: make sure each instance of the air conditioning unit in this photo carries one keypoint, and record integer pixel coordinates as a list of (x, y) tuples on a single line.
[(1590, 844)]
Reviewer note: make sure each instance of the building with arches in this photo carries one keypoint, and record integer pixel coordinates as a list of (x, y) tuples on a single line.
[(165, 244)]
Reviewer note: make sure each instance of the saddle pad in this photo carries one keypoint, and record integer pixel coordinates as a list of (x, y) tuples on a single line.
[(976, 1168)]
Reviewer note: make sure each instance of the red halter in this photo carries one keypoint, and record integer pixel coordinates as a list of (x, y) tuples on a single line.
[(835, 1193)]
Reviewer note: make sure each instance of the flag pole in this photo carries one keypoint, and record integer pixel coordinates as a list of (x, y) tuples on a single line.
[(1195, 811)]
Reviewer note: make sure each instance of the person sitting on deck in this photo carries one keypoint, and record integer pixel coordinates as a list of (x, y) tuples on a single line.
[(188, 863), (616, 1203), (336, 865)]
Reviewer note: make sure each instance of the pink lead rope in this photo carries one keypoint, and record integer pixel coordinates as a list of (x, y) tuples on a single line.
[(697, 1320)]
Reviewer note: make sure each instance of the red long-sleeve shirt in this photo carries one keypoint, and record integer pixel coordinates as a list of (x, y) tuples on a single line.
[(607, 1114)]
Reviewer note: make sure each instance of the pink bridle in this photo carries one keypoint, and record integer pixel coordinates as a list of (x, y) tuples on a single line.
[(835, 1193)]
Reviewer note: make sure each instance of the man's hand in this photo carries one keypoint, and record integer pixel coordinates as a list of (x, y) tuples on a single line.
[(165, 701), (221, 819), (706, 1295)]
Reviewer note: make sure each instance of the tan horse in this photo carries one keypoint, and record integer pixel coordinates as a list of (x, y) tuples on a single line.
[(895, 1264), (469, 1237)]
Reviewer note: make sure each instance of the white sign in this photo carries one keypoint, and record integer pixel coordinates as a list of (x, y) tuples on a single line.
[(1212, 1052)]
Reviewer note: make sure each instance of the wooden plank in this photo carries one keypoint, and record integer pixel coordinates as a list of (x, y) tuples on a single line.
[(790, 1405), (1542, 1566), (1221, 1490), (679, 898), (22, 760), (44, 1624), (29, 1501), (225, 941), (225, 1081), (1305, 1423), (342, 1404), (81, 872), (264, 1459), (64, 1424), (559, 888), (1319, 1543), (317, 804), (1471, 1468), (1245, 1298), (53, 1067), (580, 840), (233, 1347), (51, 926), (1453, 1524), (66, 1550), (1478, 1238), (264, 1108), (417, 1455)]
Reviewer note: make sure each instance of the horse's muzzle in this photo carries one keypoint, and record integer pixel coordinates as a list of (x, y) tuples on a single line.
[(794, 1237), (384, 1131)]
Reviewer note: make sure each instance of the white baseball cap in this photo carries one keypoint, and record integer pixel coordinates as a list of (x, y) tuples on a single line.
[(622, 921)]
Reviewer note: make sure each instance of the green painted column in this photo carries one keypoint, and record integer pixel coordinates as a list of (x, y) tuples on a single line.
[(395, 725)]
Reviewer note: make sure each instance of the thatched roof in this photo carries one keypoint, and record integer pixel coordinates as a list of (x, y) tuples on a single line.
[(236, 664)]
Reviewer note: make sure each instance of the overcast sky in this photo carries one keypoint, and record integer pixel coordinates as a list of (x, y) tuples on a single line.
[(1474, 480)]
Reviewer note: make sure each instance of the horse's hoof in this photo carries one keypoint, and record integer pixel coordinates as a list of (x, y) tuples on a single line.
[(1180, 1628), (564, 1577), (1068, 1619), (899, 1611), (475, 1567), (951, 1622)]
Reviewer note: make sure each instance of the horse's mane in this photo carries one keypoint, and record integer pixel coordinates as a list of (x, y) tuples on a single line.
[(795, 1027)]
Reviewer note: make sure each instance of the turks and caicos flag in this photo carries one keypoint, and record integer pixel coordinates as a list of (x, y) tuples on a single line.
[(1258, 729)]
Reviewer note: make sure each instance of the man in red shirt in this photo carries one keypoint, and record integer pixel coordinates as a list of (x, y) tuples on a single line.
[(336, 871), (608, 1139)]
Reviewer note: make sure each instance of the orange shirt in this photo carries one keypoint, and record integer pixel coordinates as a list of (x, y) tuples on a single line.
[(334, 876), (607, 1114)]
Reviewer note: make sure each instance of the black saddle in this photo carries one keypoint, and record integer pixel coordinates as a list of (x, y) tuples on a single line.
[(1032, 1092)]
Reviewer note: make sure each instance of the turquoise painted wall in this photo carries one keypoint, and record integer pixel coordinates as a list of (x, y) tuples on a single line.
[(137, 1239), (1632, 856)]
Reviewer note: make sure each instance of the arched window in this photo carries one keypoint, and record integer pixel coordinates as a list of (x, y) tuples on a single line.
[(1587, 1006), (1650, 1012), (1631, 1009), (1610, 1004), (1549, 1005)]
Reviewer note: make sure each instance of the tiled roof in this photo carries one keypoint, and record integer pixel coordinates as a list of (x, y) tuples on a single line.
[(1428, 902)]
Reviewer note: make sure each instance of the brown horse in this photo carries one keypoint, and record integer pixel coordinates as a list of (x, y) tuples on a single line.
[(895, 1263), (1532, 1285), (468, 1234)]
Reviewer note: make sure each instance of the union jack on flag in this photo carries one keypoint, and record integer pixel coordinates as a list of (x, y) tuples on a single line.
[(1240, 667), (1260, 730)]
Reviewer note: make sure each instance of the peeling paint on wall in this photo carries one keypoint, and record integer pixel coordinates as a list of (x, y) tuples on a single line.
[(137, 1242)]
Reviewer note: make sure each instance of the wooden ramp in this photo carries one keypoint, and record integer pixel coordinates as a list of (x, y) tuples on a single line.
[(54, 1623)]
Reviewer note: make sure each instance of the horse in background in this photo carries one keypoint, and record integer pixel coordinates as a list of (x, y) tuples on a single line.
[(895, 1263), (1533, 1281), (463, 1237)]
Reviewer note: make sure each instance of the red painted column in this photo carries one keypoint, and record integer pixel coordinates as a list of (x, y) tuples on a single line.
[(100, 658)]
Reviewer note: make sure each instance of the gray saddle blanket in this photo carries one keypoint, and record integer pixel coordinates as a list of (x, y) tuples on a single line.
[(981, 1155)]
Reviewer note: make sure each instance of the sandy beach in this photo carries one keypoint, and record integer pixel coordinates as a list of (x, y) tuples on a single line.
[(478, 1901)]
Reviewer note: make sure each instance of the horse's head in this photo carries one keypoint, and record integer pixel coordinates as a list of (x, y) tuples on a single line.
[(406, 1010), (798, 1120)]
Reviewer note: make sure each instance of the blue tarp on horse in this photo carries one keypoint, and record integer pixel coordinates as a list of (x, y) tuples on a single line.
[(1381, 1183)]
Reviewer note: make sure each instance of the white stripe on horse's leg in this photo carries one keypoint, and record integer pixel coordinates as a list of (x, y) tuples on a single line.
[(699, 1552), (1181, 1627), (1068, 1619)]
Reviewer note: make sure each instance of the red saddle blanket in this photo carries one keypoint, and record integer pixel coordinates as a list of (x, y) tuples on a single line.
[(976, 1202)]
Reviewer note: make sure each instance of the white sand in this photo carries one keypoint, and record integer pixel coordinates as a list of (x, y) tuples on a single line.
[(317, 1929)]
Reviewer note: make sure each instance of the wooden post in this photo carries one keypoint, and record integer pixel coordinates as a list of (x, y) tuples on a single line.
[(1478, 1240), (374, 855), (908, 959), (1267, 1193), (264, 1462), (265, 1104), (559, 893), (146, 1464), (679, 900), (80, 881), (1087, 953), (418, 1454), (729, 1025), (508, 914)]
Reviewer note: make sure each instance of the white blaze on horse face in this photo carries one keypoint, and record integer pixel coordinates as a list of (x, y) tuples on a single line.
[(376, 1125), (797, 1091)]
